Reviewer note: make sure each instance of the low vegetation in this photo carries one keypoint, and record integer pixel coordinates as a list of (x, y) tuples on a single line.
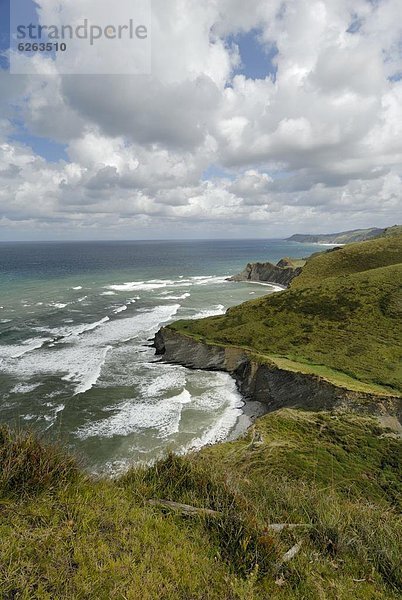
[(343, 313), (305, 506), (67, 535), (344, 237)]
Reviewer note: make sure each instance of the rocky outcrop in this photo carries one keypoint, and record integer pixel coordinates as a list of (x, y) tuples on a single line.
[(281, 274), (267, 383)]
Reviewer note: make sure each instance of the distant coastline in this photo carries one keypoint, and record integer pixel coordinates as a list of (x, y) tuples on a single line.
[(340, 238)]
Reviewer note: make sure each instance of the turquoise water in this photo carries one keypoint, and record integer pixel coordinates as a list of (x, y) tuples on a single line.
[(76, 320)]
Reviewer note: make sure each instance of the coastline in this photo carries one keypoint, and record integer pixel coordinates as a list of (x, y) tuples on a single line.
[(265, 387), (251, 411)]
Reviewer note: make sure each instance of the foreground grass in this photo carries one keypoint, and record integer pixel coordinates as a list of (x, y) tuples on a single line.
[(342, 314), (67, 535)]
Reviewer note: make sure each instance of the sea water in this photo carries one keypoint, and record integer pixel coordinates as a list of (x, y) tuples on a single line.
[(76, 320)]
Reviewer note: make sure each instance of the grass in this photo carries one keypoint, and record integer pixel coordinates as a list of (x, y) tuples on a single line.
[(338, 378), (28, 466), (347, 237), (71, 536), (341, 317), (352, 258), (297, 262), (395, 230), (67, 535)]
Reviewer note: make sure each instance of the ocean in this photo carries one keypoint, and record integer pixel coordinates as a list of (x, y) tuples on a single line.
[(76, 320)]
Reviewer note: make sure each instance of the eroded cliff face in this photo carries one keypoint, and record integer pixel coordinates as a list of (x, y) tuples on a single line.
[(281, 274), (266, 383)]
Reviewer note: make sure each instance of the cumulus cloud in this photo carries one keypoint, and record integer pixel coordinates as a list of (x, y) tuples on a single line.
[(297, 150)]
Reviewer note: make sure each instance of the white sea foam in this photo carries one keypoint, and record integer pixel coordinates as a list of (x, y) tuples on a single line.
[(184, 398), (120, 309), (58, 305), (27, 346), (92, 374), (159, 378), (163, 415), (80, 329), (134, 286), (78, 287), (182, 297), (59, 333), (325, 244), (80, 358), (218, 432), (212, 312), (154, 284), (132, 416), (273, 286), (166, 396), (53, 394), (51, 419), (208, 280), (223, 395), (24, 388)]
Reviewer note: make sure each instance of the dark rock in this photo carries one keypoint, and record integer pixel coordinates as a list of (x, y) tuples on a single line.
[(268, 384), (281, 274)]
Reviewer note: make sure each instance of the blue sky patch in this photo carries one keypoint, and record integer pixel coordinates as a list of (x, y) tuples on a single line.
[(4, 32), (216, 172), (257, 59), (48, 149)]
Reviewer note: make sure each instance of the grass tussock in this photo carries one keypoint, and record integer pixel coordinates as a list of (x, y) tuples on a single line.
[(29, 465), (337, 476), (234, 531)]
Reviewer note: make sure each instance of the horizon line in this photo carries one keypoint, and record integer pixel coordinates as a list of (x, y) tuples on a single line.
[(87, 241)]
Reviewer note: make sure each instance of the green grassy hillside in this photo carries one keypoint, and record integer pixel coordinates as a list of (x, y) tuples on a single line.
[(353, 258), (65, 535), (345, 237), (343, 314), (394, 230)]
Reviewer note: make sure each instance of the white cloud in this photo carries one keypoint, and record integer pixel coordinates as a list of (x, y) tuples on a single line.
[(319, 141)]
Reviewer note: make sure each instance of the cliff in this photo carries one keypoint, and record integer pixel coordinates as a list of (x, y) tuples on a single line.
[(332, 340), (281, 274), (341, 318), (259, 379)]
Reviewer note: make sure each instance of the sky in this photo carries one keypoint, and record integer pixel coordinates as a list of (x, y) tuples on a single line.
[(258, 119)]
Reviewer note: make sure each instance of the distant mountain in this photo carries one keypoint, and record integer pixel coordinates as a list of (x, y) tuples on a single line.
[(344, 237)]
